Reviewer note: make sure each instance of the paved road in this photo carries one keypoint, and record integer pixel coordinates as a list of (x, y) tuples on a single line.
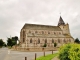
[(3, 53), (6, 54)]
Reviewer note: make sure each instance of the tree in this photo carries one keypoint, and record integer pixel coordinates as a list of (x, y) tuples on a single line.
[(9, 42), (77, 40), (15, 39), (4, 44), (12, 41), (1, 43)]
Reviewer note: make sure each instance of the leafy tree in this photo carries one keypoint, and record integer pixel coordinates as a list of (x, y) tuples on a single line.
[(9, 42), (4, 44), (77, 40), (1, 42), (12, 41), (15, 39)]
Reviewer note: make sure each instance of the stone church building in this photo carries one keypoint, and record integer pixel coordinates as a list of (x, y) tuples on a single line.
[(36, 35)]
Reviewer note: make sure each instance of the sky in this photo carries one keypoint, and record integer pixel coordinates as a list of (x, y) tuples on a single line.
[(15, 13)]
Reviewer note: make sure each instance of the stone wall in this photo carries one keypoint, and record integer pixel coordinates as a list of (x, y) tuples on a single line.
[(35, 49)]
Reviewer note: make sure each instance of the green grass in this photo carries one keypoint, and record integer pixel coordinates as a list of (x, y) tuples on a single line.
[(47, 57)]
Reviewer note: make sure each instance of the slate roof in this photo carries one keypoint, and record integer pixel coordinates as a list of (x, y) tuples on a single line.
[(61, 22), (41, 27)]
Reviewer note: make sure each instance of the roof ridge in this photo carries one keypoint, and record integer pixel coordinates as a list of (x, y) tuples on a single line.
[(40, 24)]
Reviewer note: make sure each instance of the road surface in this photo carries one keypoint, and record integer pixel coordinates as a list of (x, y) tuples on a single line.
[(6, 54)]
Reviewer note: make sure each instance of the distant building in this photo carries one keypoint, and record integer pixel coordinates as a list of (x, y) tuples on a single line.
[(34, 35)]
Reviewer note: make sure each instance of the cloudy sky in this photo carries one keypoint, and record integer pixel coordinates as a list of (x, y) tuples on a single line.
[(15, 13)]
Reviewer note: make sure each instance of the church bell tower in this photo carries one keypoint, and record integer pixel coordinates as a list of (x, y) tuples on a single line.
[(64, 27)]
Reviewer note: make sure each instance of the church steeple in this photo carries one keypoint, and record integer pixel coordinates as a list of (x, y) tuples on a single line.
[(61, 22)]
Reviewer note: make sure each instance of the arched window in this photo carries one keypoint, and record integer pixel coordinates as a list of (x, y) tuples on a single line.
[(59, 32), (38, 41), (29, 31), (54, 33), (64, 41), (45, 40), (23, 33), (52, 41), (32, 33), (58, 40), (23, 40), (48, 32), (42, 32), (31, 40), (36, 32)]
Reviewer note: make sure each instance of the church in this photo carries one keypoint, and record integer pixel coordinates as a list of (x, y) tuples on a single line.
[(36, 35)]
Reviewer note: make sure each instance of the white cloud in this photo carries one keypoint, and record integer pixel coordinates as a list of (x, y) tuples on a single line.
[(15, 13)]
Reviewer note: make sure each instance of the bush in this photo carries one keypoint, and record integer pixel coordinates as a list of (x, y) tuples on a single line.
[(45, 45), (55, 44), (74, 52), (69, 52), (63, 52)]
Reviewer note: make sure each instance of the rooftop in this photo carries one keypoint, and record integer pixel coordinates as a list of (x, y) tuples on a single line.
[(41, 27)]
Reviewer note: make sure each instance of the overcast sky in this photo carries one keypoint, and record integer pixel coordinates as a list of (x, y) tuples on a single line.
[(15, 13)]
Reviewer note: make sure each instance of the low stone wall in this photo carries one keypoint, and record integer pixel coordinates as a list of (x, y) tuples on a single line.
[(35, 48)]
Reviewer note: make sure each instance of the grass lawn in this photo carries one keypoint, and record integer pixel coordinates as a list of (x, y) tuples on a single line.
[(47, 57)]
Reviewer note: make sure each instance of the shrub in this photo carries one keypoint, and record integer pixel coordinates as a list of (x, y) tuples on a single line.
[(69, 52), (63, 52), (55, 44), (74, 52), (45, 45)]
